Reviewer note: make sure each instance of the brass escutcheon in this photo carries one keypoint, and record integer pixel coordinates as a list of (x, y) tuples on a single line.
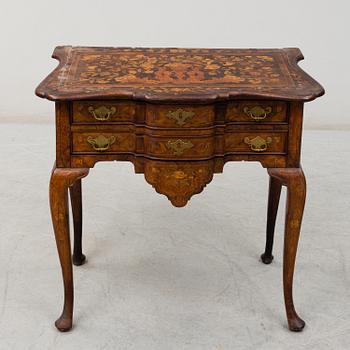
[(180, 116), (258, 144), (102, 112), (257, 112), (101, 143), (179, 146)]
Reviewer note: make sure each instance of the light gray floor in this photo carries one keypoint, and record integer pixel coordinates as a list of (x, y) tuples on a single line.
[(162, 278)]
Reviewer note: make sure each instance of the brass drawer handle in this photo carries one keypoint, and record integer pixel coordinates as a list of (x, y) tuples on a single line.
[(258, 144), (180, 116), (179, 146), (101, 143), (257, 112), (102, 113)]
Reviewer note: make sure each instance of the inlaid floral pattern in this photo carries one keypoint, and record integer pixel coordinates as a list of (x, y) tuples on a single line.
[(177, 67), (179, 181), (164, 74)]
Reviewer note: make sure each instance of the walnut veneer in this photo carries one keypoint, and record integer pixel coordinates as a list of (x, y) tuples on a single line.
[(178, 115)]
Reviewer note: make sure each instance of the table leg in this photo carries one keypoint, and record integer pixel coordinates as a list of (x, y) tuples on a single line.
[(76, 203), (61, 179), (272, 207), (294, 180)]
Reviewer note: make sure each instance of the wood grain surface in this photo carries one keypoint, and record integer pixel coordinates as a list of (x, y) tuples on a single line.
[(158, 74), (178, 115)]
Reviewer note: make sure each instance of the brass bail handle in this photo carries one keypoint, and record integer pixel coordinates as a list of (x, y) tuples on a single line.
[(258, 144), (257, 112), (101, 143), (102, 113)]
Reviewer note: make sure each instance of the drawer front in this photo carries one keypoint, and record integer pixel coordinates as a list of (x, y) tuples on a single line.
[(103, 142), (103, 111), (256, 142), (177, 116), (257, 111), (179, 147)]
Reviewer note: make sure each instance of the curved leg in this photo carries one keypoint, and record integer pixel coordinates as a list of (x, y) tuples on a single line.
[(76, 203), (272, 207), (61, 179), (294, 179)]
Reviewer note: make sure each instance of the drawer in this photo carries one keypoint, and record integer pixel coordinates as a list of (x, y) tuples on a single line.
[(179, 116), (257, 111), (103, 142), (256, 142), (179, 147), (103, 111)]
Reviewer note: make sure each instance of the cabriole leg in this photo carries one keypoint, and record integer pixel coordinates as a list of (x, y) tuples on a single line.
[(272, 207), (76, 203), (294, 180), (61, 179)]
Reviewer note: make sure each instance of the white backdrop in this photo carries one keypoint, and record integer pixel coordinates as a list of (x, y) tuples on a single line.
[(29, 31)]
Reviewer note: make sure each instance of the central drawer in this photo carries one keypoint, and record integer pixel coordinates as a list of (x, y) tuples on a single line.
[(179, 116), (184, 147)]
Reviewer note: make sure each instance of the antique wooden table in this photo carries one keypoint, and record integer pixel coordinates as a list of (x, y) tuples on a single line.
[(178, 115)]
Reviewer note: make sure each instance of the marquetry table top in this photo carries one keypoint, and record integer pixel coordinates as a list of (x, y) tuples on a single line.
[(178, 74)]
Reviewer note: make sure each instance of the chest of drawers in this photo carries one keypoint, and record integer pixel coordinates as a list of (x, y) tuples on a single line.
[(173, 133), (178, 115)]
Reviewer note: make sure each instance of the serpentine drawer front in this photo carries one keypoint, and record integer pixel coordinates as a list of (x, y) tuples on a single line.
[(178, 115), (171, 148)]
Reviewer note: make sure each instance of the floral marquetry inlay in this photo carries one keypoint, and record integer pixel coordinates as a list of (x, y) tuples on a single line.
[(178, 67), (169, 73), (179, 181)]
